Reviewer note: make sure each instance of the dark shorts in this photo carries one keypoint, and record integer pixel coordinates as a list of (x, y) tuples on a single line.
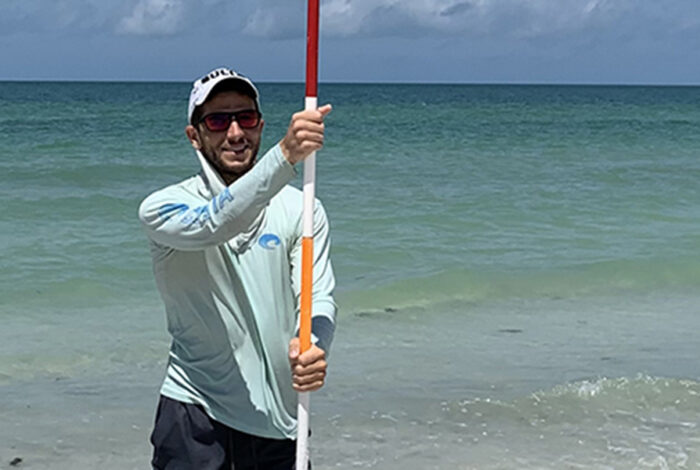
[(186, 438)]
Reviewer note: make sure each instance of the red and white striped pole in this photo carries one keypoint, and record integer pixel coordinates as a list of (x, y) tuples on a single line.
[(307, 247)]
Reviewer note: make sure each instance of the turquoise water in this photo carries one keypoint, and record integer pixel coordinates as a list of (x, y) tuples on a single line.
[(596, 184), (489, 242)]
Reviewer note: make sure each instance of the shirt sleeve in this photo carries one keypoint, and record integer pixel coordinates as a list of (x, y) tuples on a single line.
[(180, 219), (323, 306)]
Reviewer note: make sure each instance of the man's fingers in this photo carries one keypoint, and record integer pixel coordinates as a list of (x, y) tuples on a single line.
[(308, 388), (306, 369), (310, 362), (325, 109), (314, 115), (293, 349), (303, 134), (308, 378), (308, 136), (309, 369), (309, 382), (315, 355), (307, 124)]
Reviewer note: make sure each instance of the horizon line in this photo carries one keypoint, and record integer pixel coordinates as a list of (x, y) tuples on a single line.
[(382, 82)]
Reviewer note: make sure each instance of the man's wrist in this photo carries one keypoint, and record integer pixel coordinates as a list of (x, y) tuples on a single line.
[(285, 151)]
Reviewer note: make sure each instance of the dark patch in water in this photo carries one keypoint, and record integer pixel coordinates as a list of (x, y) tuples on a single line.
[(84, 391), (606, 358), (510, 330), (16, 461), (375, 313)]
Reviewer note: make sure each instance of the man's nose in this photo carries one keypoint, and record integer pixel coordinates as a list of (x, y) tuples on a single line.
[(234, 130)]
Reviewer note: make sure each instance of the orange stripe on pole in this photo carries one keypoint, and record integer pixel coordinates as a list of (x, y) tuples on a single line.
[(307, 262)]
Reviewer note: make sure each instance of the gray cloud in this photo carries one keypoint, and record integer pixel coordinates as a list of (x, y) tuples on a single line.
[(171, 17), (457, 9), (154, 17), (65, 16), (515, 18), (125, 17), (277, 21), (519, 19), (284, 19)]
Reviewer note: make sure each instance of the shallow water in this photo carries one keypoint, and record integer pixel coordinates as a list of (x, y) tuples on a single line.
[(594, 384)]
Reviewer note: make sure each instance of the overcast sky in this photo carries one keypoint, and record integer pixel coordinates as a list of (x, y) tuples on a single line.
[(461, 41)]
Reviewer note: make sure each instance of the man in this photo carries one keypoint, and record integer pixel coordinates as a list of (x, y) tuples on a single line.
[(226, 248)]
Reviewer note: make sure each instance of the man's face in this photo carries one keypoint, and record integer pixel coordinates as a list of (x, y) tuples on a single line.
[(232, 151)]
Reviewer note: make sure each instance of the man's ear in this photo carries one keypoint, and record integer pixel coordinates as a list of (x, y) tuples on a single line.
[(193, 136)]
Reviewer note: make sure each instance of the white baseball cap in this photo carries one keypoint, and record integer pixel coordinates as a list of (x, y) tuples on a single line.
[(202, 88)]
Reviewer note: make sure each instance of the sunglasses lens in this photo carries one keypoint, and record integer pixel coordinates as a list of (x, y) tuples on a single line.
[(218, 122), (247, 119)]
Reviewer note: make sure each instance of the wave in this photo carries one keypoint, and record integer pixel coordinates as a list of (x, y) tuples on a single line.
[(624, 423), (604, 397)]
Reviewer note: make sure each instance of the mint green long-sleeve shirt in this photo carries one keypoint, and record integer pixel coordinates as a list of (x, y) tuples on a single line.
[(227, 263)]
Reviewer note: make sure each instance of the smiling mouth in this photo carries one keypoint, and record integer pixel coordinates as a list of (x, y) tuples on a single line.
[(237, 149)]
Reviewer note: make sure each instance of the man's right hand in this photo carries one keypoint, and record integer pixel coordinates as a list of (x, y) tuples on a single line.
[(305, 134)]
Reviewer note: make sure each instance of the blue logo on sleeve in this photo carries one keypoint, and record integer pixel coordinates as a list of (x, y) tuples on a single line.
[(269, 241), (166, 211)]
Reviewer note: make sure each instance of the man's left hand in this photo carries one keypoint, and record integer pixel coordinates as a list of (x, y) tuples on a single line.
[(309, 368)]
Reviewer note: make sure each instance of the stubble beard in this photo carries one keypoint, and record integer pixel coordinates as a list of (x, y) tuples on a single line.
[(227, 174)]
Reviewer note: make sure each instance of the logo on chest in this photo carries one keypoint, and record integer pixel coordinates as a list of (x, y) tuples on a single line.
[(269, 241)]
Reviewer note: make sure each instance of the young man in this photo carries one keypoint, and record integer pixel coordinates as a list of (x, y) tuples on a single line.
[(226, 248)]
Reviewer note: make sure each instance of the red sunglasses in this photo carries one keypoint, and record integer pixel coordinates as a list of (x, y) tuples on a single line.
[(221, 121)]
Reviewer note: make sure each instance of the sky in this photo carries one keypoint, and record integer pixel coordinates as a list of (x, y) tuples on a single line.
[(424, 41)]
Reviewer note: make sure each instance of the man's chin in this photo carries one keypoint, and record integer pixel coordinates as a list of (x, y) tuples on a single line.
[(231, 169), (236, 170)]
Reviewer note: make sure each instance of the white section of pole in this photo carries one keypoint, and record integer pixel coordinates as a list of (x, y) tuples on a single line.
[(311, 102), (303, 431)]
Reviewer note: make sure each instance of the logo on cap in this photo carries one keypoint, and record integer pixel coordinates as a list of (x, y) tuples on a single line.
[(218, 73)]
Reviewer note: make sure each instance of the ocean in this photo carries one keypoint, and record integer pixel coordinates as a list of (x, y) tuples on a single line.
[(518, 273)]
